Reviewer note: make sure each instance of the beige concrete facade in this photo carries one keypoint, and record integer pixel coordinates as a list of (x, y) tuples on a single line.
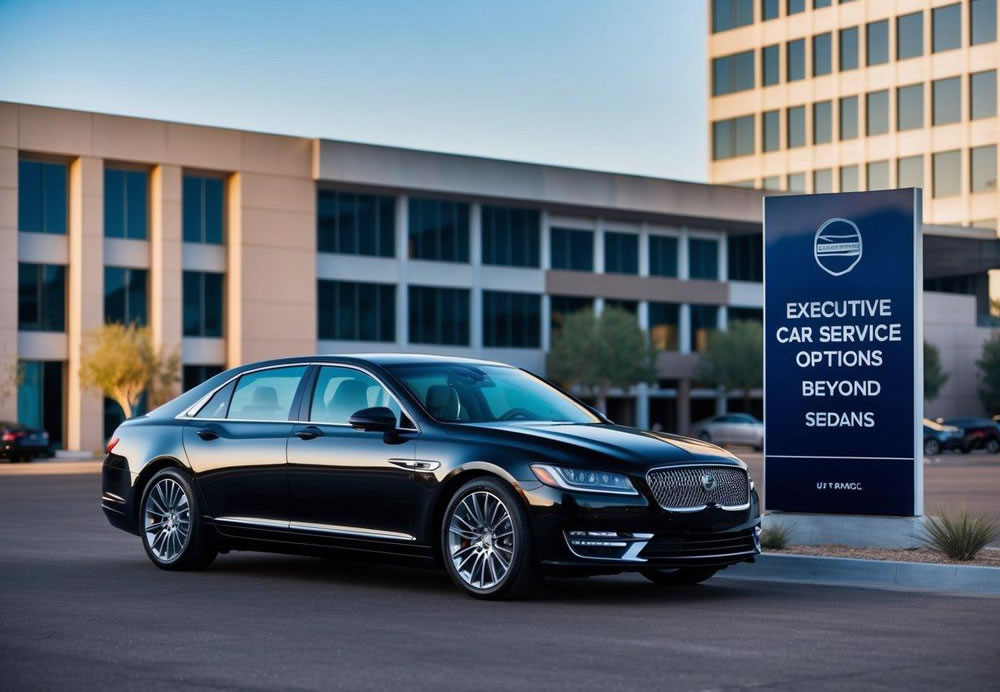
[(771, 169)]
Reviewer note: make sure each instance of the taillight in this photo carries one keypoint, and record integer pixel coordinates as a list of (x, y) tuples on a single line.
[(111, 445), (12, 435)]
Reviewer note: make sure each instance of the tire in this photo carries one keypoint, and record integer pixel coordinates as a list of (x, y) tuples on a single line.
[(993, 446), (684, 576), (473, 550), (170, 498), (704, 436), (931, 447)]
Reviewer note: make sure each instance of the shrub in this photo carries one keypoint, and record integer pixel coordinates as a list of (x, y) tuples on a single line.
[(776, 536), (959, 536)]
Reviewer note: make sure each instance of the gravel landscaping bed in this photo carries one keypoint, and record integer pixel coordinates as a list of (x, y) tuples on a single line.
[(988, 557)]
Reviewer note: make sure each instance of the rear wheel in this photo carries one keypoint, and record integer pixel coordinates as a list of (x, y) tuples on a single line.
[(931, 447), (679, 577), (993, 446), (486, 541), (172, 530)]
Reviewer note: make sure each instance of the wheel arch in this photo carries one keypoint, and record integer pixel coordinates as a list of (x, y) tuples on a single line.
[(145, 475)]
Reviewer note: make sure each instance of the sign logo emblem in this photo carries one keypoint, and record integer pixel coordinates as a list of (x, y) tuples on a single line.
[(708, 482), (837, 246)]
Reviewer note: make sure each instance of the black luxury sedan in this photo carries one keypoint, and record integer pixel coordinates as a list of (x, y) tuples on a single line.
[(20, 443), (486, 469), (977, 433)]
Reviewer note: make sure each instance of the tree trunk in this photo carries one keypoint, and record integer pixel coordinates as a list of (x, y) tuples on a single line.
[(123, 402)]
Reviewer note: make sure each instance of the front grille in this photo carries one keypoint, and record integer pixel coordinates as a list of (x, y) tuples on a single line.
[(701, 546), (693, 487)]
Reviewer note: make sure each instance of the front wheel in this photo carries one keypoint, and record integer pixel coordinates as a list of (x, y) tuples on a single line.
[(486, 541), (931, 447), (683, 576), (993, 446), (172, 530)]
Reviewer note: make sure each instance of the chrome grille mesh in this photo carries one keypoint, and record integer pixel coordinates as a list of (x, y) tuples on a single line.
[(682, 487)]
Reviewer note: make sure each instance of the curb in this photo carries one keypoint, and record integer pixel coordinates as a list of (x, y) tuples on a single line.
[(972, 579)]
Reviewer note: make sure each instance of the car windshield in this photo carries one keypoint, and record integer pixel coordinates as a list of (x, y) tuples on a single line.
[(460, 393)]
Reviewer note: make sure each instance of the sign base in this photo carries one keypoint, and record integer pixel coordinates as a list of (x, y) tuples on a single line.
[(851, 530)]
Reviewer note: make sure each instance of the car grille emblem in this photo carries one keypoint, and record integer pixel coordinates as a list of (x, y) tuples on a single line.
[(708, 482)]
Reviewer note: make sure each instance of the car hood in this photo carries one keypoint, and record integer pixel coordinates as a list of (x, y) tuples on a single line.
[(580, 443)]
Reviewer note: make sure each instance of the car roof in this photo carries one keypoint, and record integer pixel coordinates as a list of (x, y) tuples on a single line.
[(412, 358)]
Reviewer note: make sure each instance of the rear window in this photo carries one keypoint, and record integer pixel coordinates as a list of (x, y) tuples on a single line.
[(216, 406), (266, 394)]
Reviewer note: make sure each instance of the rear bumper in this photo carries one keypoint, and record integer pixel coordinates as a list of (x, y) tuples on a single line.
[(116, 494), (14, 449)]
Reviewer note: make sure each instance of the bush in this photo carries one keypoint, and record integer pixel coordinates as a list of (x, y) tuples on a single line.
[(776, 536), (959, 536)]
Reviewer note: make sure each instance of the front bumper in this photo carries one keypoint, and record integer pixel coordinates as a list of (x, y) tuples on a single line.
[(579, 531)]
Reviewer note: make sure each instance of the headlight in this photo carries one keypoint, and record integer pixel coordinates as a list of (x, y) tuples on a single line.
[(584, 479)]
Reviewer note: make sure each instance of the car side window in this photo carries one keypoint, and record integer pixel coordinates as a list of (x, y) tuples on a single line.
[(342, 392), (266, 394), (217, 405)]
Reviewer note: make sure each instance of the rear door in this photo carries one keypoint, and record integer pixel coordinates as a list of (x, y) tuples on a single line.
[(236, 445)]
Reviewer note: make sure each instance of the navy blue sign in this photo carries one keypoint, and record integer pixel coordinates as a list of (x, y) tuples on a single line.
[(843, 379)]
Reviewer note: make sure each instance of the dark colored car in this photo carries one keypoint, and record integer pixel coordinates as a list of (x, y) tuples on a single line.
[(21, 443), (941, 438), (978, 433), (483, 468)]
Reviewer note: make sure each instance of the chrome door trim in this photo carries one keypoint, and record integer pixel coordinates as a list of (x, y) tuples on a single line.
[(255, 521), (727, 508), (324, 528)]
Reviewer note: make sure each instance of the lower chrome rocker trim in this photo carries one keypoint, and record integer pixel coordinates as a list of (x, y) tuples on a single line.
[(323, 528)]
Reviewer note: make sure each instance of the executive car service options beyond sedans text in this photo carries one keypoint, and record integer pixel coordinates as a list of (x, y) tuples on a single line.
[(485, 469)]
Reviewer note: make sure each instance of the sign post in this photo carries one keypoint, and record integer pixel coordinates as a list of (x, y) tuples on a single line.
[(843, 353)]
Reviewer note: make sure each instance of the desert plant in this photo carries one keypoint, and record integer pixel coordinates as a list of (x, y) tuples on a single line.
[(959, 535), (776, 536)]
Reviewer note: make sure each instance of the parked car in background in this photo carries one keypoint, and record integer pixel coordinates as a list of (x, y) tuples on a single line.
[(731, 429), (979, 433), (941, 438), (21, 443)]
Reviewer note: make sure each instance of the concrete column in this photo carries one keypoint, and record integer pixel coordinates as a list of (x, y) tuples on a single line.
[(599, 247), (546, 238), (642, 406), (476, 292), (644, 249), (403, 258), (233, 284), (724, 258), (684, 328), (682, 255), (546, 322), (165, 267), (8, 259), (684, 406), (85, 298)]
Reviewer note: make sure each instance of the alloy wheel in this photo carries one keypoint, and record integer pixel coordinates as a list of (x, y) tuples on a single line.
[(167, 520), (481, 540)]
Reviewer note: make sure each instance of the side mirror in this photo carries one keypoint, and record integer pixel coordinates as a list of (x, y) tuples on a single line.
[(376, 418)]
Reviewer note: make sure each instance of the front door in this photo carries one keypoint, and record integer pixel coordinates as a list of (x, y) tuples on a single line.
[(345, 483)]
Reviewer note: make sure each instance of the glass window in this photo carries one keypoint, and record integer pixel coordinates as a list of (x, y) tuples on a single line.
[(266, 394), (984, 168), (849, 49), (795, 6), (40, 401), (125, 295), (511, 236), (822, 122), (769, 9), (947, 97), (703, 258), (664, 325), (746, 257), (561, 307), (732, 73), (770, 65), (439, 230), (439, 315), (356, 311), (662, 255), (795, 60), (849, 117), (41, 297), (910, 172), (823, 180), (771, 182), (734, 314), (125, 203), (202, 304), (796, 182), (796, 126), (629, 306), (202, 209), (849, 179), (910, 107), (218, 405), (571, 249), (822, 54), (704, 321), (947, 27), (877, 35), (193, 375), (342, 392), (621, 253), (983, 21), (910, 36), (877, 112), (41, 196), (355, 224), (983, 94), (512, 320), (733, 137), (730, 14), (878, 175), (817, 4), (948, 173)]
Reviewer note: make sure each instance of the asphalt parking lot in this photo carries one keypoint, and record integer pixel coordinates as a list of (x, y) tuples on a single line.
[(82, 608)]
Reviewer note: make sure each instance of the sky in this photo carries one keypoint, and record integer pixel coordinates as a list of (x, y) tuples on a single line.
[(615, 85)]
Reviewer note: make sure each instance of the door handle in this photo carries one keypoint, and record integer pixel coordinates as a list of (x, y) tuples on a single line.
[(207, 435), (309, 433), (416, 464)]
